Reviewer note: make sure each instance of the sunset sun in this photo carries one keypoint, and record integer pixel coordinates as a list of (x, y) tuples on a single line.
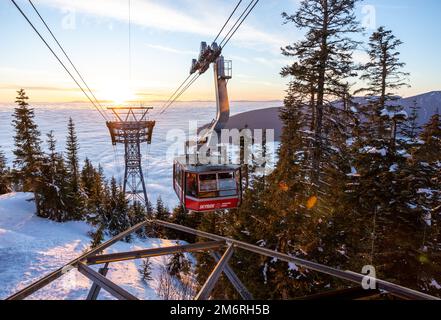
[(116, 94)]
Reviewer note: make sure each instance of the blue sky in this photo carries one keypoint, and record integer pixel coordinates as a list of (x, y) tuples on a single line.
[(165, 37)]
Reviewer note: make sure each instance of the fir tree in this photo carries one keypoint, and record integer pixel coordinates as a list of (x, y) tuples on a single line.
[(88, 174), (146, 270), (427, 182), (28, 154), (381, 161), (118, 211), (324, 61), (98, 203), (5, 186), (178, 265), (411, 129), (53, 186), (384, 76), (161, 213), (289, 211), (161, 210), (97, 236), (138, 214), (76, 204)]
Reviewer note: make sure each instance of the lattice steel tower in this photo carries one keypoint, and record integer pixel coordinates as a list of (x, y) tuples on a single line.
[(132, 128)]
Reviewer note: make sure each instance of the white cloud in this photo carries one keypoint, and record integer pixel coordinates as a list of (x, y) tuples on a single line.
[(157, 15), (172, 50), (360, 57)]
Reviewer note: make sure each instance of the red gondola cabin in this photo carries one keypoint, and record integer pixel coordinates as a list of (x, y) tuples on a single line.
[(203, 188)]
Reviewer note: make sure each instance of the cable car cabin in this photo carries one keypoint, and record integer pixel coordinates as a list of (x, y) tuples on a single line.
[(203, 188)]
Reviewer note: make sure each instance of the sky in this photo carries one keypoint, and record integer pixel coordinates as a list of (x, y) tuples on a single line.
[(165, 37)]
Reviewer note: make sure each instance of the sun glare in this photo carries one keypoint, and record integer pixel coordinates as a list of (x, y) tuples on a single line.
[(116, 94)]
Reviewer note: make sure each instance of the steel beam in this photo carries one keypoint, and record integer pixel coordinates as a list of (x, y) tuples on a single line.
[(95, 290), (105, 283), (234, 279), (26, 292), (155, 252), (340, 274), (208, 287)]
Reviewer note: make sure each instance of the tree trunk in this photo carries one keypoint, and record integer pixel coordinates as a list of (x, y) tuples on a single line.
[(320, 96)]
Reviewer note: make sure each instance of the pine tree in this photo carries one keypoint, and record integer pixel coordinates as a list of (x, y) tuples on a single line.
[(97, 236), (381, 160), (76, 204), (146, 270), (138, 214), (118, 211), (178, 266), (88, 178), (427, 182), (98, 204), (384, 76), (161, 213), (5, 186), (28, 154), (99, 209), (411, 129), (289, 210), (179, 216), (53, 185), (161, 210), (324, 61)]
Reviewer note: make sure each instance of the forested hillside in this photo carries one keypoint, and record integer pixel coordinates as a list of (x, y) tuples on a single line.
[(354, 186)]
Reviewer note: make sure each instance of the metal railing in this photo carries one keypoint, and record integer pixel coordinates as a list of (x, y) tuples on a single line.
[(99, 280)]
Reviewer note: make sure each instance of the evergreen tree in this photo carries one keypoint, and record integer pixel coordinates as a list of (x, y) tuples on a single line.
[(28, 154), (381, 161), (146, 270), (179, 216), (5, 186), (97, 236), (411, 129), (98, 204), (290, 210), (138, 214), (161, 210), (88, 174), (384, 76), (161, 213), (76, 203), (324, 62), (53, 186), (99, 209), (179, 266), (118, 211), (427, 183)]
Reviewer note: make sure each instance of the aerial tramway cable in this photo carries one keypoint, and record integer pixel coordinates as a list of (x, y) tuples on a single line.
[(176, 97), (228, 20), (240, 24), (58, 58), (185, 84), (66, 55)]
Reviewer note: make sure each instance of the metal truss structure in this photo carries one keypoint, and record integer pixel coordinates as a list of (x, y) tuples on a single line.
[(215, 244), (131, 128)]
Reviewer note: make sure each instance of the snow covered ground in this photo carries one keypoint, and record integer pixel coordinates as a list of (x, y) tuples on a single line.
[(31, 247)]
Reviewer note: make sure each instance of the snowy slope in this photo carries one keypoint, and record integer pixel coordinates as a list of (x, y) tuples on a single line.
[(31, 247)]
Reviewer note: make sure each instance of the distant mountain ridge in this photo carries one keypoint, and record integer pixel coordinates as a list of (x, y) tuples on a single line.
[(429, 103)]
